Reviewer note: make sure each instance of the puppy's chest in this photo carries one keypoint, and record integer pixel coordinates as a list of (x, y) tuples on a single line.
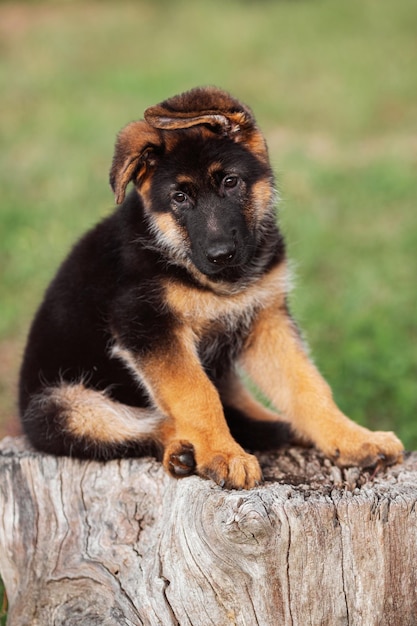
[(221, 342), (208, 314), (220, 323), (220, 326)]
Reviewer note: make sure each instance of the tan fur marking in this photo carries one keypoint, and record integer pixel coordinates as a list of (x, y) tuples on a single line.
[(170, 235), (197, 307), (176, 382), (95, 416), (179, 385), (276, 361), (181, 390), (214, 167), (144, 188), (255, 141), (167, 225), (183, 179), (263, 197)]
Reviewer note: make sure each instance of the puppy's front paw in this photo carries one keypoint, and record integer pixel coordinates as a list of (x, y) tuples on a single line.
[(179, 459), (366, 449), (232, 470)]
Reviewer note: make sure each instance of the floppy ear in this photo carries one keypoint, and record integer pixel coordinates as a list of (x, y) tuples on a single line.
[(134, 155), (203, 105), (211, 107)]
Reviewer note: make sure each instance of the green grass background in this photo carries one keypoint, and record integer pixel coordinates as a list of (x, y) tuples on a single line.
[(333, 85)]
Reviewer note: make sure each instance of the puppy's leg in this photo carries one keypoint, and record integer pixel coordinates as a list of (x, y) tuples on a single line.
[(234, 394), (195, 424), (70, 419), (252, 424), (276, 361)]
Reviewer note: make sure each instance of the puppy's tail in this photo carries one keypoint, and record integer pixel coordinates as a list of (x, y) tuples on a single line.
[(73, 420)]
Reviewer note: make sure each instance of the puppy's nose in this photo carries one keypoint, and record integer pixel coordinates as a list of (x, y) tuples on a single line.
[(221, 253)]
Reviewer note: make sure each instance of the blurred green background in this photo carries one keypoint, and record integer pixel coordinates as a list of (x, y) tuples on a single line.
[(333, 86)]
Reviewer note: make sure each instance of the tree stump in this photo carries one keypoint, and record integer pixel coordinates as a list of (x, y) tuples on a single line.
[(122, 543)]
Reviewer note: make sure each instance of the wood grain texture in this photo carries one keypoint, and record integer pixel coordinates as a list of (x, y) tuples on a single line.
[(123, 543)]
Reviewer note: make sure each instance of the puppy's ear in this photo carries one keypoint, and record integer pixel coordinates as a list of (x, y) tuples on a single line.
[(134, 155), (212, 107)]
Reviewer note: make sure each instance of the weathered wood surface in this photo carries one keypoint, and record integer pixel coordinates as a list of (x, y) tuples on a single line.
[(123, 543)]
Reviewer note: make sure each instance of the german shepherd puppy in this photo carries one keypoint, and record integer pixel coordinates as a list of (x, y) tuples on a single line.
[(141, 335)]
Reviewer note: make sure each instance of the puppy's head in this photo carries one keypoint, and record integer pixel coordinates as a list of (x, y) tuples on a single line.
[(201, 166)]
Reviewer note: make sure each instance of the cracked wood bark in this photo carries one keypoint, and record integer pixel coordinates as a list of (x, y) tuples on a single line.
[(123, 543)]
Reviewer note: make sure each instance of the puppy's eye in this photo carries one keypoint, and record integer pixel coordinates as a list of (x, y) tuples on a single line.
[(179, 197), (230, 181)]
